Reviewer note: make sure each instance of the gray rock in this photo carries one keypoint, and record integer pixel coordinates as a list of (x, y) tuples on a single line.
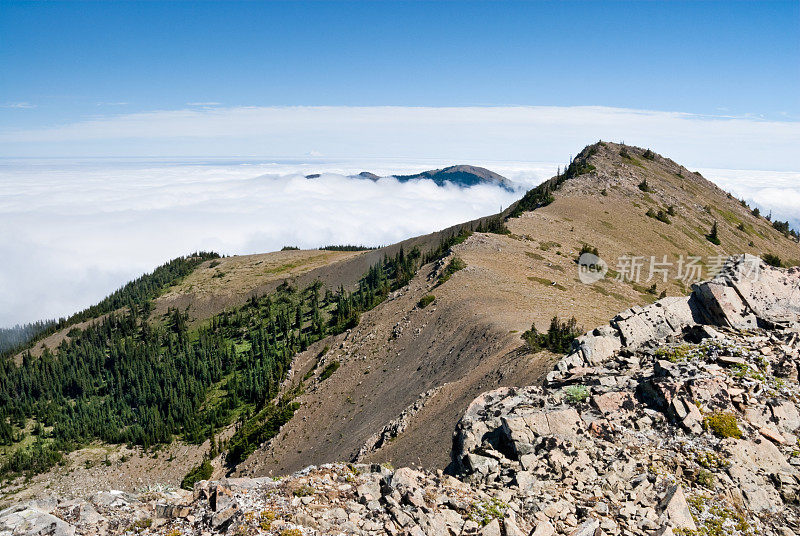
[(544, 528), (23, 520), (510, 527), (590, 527), (491, 529), (676, 510)]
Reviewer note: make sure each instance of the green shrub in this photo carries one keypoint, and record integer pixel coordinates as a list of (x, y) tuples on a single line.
[(650, 155), (484, 512), (142, 524), (329, 369), (452, 267), (705, 478), (290, 248), (661, 215), (674, 354), (426, 301), (643, 186), (201, 472), (723, 425), (303, 491), (37, 458), (586, 248), (493, 225), (262, 427), (772, 260), (575, 394), (558, 338), (782, 227)]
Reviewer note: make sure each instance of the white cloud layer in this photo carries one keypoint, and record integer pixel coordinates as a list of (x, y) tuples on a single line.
[(456, 134), (771, 191), (74, 231)]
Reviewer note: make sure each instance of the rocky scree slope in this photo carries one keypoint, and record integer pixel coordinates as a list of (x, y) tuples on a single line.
[(676, 418)]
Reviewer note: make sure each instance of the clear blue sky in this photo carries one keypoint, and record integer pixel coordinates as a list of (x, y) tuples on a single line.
[(61, 61)]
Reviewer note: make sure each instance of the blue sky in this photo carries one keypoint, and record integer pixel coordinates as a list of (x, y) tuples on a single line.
[(63, 62)]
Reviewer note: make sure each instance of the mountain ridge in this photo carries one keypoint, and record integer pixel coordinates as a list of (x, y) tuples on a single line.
[(464, 176), (467, 340)]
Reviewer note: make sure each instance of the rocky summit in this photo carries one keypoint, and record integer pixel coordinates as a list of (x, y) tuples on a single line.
[(676, 418)]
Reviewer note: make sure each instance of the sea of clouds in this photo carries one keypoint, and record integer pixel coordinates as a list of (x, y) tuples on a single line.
[(73, 231), (775, 192)]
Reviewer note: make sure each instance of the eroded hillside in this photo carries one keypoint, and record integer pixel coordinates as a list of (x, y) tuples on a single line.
[(679, 417), (468, 339)]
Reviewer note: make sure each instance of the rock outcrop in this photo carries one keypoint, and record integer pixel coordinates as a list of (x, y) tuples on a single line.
[(677, 418), (679, 415), (745, 294)]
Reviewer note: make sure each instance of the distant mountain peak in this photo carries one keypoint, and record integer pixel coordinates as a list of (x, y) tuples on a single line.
[(463, 176)]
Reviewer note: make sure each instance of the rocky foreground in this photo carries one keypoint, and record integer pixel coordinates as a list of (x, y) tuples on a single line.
[(677, 418)]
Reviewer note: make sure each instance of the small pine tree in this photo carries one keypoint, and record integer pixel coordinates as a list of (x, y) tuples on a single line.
[(712, 236)]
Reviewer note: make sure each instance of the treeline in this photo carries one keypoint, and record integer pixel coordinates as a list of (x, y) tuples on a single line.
[(19, 335), (124, 380), (139, 292), (784, 228), (542, 195)]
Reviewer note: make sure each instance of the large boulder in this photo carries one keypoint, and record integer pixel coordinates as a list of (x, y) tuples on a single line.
[(747, 291), (599, 345), (724, 305), (771, 293), (24, 520)]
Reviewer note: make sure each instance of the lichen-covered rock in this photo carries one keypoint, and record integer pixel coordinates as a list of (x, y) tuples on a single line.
[(24, 520)]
